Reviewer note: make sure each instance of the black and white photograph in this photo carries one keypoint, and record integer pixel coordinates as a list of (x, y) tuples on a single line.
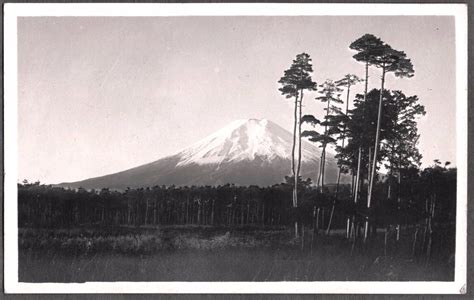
[(235, 148)]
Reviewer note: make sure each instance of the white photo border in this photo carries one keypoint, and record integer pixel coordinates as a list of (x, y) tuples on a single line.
[(14, 10)]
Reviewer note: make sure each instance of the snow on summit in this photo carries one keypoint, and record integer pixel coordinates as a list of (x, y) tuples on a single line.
[(244, 140), (245, 152)]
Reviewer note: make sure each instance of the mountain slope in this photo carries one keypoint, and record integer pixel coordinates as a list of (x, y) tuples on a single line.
[(245, 152)]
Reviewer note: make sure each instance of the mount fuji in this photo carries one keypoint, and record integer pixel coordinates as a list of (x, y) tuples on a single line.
[(245, 152)]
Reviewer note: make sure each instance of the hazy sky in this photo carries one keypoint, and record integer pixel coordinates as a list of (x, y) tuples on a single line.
[(100, 95)]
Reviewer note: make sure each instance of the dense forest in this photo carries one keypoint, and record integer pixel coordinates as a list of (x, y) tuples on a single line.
[(427, 196)]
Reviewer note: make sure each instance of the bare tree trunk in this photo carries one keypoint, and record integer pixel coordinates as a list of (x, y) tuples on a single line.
[(318, 182), (324, 148), (324, 168), (293, 167), (357, 184), (389, 192), (299, 135), (199, 212), (413, 251), (340, 169), (330, 217), (376, 148), (248, 212), (187, 210), (212, 211), (430, 227), (368, 166), (129, 212), (317, 219), (352, 182), (348, 227), (154, 212), (398, 203), (293, 149), (146, 211)]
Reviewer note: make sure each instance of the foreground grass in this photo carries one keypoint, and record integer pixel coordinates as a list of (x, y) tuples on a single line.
[(215, 254)]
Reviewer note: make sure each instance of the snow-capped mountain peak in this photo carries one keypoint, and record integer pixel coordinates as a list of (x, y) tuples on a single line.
[(243, 140), (245, 152)]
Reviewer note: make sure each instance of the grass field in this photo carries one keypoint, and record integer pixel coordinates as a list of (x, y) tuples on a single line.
[(218, 254)]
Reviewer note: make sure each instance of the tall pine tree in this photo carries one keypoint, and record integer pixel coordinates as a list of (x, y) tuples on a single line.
[(294, 81)]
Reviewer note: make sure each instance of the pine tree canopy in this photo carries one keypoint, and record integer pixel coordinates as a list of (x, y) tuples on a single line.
[(348, 80), (393, 61), (367, 46), (297, 77), (365, 42), (375, 52), (329, 92)]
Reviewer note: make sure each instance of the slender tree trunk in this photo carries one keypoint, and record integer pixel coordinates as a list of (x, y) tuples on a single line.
[(340, 169), (146, 211), (248, 212), (324, 167), (129, 212), (376, 148), (348, 227), (398, 203), (331, 215), (317, 219), (154, 212), (343, 139), (199, 212), (360, 147), (368, 166), (318, 182), (357, 183), (298, 114), (212, 211), (413, 251), (187, 210), (293, 150), (325, 144), (323, 154), (389, 192), (299, 135), (356, 189), (293, 167), (352, 182)]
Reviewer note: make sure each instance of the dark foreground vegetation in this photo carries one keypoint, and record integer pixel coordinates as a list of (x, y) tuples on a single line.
[(204, 253)]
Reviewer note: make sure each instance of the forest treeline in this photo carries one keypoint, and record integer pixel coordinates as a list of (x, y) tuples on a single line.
[(427, 196)]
